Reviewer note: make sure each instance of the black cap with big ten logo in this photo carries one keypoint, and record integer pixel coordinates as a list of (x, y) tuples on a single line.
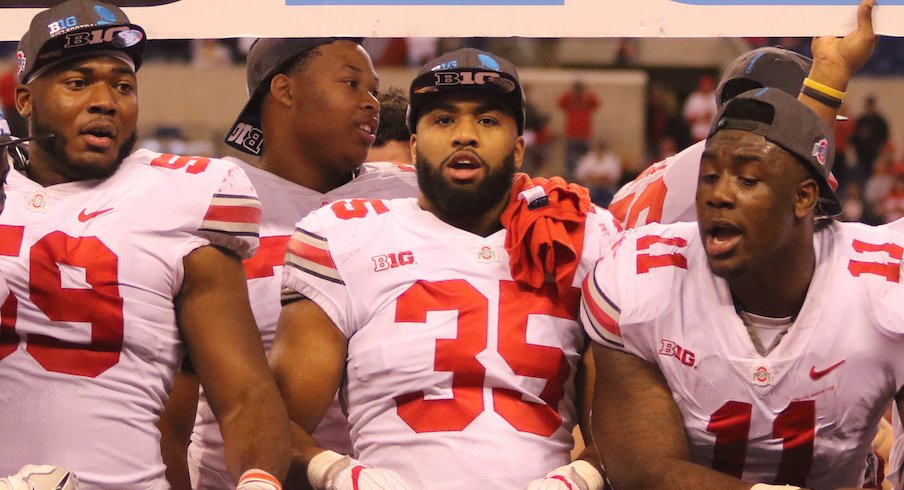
[(763, 67), (467, 69), (77, 28), (781, 119)]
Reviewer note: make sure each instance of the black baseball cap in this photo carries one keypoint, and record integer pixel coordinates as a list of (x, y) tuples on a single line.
[(763, 67), (78, 28), (781, 119), (266, 59), (467, 69)]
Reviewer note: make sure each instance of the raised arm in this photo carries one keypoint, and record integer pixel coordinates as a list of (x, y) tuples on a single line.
[(224, 345), (836, 60)]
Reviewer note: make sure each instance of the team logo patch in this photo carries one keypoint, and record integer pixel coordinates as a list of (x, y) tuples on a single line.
[(762, 375), (20, 58), (37, 202), (392, 260), (672, 349), (127, 39), (106, 16), (248, 137), (487, 61), (486, 255), (821, 151)]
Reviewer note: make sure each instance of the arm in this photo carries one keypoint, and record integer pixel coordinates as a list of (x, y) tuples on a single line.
[(835, 60), (306, 332), (639, 431), (224, 345), (176, 424), (584, 401)]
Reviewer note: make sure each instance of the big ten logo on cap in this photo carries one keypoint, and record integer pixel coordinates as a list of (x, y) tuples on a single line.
[(119, 36), (55, 27), (248, 137), (464, 77)]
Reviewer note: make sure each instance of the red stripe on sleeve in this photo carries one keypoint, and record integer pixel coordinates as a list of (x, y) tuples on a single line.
[(234, 214), (314, 254)]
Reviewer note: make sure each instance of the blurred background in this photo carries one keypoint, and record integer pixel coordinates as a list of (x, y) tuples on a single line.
[(616, 104)]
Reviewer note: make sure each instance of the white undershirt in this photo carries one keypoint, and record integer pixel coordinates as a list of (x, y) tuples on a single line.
[(765, 331)]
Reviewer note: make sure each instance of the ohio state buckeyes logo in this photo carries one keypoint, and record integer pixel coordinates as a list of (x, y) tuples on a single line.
[(762, 375), (821, 151)]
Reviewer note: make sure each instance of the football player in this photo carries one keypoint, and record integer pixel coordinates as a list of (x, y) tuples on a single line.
[(310, 121), (118, 262), (454, 338)]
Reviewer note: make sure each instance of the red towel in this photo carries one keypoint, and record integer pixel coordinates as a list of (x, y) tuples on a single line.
[(545, 230)]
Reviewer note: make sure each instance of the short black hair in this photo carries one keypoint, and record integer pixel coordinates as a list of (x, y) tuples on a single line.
[(393, 107)]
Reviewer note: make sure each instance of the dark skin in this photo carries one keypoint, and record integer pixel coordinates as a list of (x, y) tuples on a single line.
[(90, 104)]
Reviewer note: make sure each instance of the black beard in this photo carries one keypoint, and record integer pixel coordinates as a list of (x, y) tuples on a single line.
[(55, 147), (454, 203)]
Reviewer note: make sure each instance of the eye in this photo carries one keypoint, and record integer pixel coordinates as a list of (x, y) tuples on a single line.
[(488, 121), (125, 87), (747, 181), (443, 120), (76, 83), (351, 82)]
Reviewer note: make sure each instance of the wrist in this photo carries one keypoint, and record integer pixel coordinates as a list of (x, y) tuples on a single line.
[(591, 476), (256, 479), (320, 466), (764, 486)]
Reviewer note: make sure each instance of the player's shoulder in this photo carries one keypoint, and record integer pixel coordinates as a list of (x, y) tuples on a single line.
[(871, 259), (647, 265), (383, 180), (184, 169), (352, 223)]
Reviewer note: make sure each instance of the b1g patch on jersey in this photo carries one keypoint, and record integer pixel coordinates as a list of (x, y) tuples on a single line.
[(392, 260), (669, 348)]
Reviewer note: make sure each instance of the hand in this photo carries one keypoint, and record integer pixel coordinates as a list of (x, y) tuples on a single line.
[(34, 477), (333, 471), (579, 475), (836, 60)]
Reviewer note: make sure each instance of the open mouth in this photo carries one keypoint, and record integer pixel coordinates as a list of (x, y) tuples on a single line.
[(721, 238), (464, 165), (99, 135)]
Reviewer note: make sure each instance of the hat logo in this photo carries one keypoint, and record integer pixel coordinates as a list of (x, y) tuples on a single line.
[(55, 27), (97, 36), (106, 16), (821, 151), (20, 58), (127, 39), (464, 77), (487, 61)]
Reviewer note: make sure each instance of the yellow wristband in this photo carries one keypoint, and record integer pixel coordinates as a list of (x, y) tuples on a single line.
[(824, 89)]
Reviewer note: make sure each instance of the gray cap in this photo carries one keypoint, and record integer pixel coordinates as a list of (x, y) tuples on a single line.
[(467, 69), (781, 119), (266, 59), (763, 67), (77, 28)]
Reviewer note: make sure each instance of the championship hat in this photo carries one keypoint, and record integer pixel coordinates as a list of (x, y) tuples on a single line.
[(781, 119), (763, 67), (78, 28), (467, 69), (266, 59)]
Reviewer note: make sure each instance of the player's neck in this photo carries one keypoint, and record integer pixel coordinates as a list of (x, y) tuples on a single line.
[(295, 168), (481, 224), (41, 168), (778, 289)]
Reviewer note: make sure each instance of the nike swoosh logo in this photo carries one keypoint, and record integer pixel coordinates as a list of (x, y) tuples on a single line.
[(83, 216), (819, 374)]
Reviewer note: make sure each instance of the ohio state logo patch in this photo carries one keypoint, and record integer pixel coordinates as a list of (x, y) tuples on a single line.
[(821, 151)]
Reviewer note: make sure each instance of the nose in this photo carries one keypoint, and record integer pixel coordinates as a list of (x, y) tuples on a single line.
[(720, 194), (371, 103), (465, 133), (102, 100)]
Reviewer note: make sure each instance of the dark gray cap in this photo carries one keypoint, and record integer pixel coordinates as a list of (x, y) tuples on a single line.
[(781, 119), (77, 28), (467, 69), (763, 67), (266, 59)]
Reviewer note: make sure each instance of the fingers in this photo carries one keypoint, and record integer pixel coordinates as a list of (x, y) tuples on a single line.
[(865, 17)]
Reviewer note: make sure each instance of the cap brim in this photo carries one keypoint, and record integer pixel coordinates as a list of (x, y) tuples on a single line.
[(130, 41), (247, 133)]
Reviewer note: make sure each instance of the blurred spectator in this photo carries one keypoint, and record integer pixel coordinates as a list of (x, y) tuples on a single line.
[(17, 124), (870, 135), (877, 187), (664, 120), (852, 204), (393, 139), (600, 170), (891, 207), (578, 104), (700, 107), (537, 136), (626, 52), (845, 167), (210, 52)]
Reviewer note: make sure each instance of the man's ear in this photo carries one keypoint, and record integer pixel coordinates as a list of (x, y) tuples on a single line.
[(281, 89), (806, 198), (23, 100)]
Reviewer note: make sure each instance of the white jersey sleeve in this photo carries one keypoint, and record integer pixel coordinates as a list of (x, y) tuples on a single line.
[(663, 193), (234, 217)]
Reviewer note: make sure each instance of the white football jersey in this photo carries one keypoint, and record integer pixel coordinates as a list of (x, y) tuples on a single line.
[(456, 377), (806, 413), (284, 203), (90, 342), (663, 193)]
